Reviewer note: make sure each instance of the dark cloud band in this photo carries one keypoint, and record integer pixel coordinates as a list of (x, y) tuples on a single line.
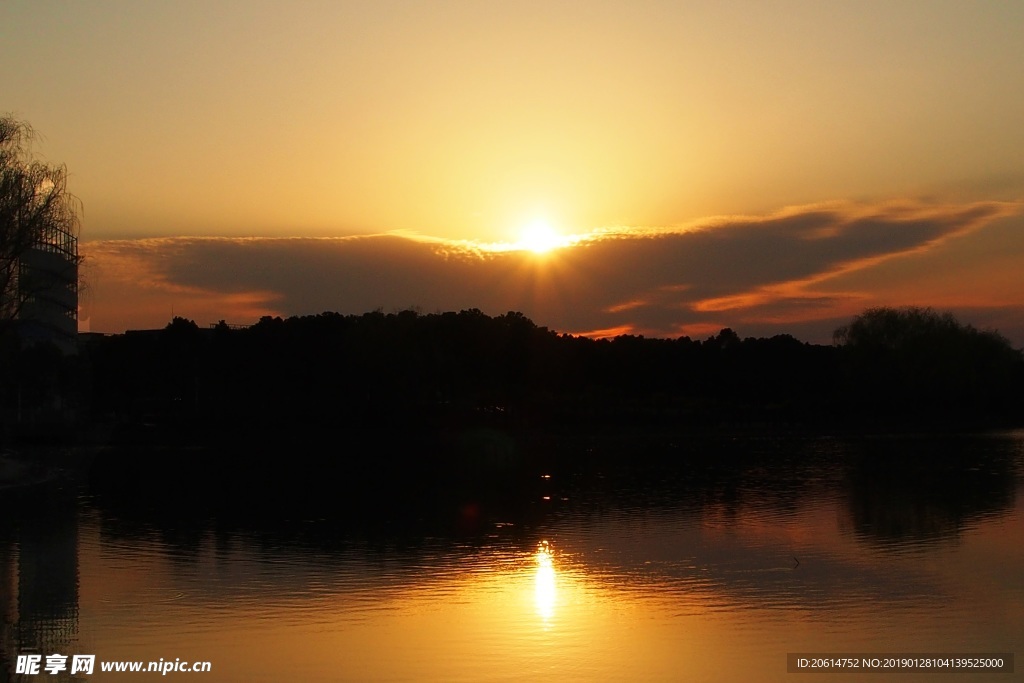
[(761, 270)]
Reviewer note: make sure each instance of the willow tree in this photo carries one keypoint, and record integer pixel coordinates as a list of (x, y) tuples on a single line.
[(35, 209)]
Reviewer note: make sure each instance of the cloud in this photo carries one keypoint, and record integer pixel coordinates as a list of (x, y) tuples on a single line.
[(758, 271)]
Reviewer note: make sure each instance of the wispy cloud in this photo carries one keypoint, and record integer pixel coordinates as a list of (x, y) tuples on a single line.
[(726, 271)]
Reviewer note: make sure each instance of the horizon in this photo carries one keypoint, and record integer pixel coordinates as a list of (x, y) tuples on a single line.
[(595, 336), (636, 169)]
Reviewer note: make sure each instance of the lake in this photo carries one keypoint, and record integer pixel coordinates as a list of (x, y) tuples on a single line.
[(708, 560)]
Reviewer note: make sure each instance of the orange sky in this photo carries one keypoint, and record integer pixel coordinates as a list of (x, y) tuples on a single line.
[(695, 144)]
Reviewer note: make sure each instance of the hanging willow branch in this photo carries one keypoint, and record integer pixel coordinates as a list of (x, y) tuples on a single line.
[(35, 210)]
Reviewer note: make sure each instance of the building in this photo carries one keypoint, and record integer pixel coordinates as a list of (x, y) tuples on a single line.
[(47, 284)]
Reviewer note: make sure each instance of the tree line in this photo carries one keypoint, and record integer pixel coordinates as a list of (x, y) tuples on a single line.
[(887, 367)]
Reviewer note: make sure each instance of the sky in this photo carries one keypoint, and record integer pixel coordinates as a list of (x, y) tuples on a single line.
[(773, 167)]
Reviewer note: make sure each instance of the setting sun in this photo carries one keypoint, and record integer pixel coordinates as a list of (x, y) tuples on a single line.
[(539, 237)]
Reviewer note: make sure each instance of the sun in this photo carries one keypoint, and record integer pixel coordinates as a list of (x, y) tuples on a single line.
[(539, 236)]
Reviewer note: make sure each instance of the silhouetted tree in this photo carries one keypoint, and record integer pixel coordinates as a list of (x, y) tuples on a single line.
[(34, 204), (456, 368), (921, 362)]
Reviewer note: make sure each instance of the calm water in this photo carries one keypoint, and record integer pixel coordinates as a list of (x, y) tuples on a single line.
[(711, 570)]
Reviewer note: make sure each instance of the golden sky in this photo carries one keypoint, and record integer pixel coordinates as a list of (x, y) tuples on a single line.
[(675, 136)]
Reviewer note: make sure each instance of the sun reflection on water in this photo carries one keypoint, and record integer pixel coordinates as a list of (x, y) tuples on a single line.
[(545, 594)]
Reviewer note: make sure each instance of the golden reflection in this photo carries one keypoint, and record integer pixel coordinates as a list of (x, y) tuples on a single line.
[(545, 594)]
